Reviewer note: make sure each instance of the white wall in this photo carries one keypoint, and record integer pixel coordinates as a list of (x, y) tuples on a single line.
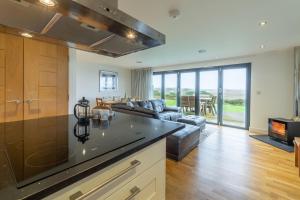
[(84, 78), (272, 84)]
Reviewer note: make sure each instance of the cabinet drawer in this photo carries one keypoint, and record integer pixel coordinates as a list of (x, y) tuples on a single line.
[(148, 186), (112, 178)]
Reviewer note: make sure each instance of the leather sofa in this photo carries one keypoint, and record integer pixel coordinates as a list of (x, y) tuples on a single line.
[(180, 143), (156, 109)]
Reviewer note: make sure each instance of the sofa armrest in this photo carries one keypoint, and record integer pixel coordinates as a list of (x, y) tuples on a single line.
[(173, 109)]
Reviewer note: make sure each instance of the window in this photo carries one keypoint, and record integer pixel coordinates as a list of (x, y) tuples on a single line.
[(156, 86), (108, 81), (171, 89), (219, 93)]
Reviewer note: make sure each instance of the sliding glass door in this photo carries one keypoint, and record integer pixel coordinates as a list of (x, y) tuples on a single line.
[(188, 92), (171, 89), (209, 87), (234, 97), (220, 94)]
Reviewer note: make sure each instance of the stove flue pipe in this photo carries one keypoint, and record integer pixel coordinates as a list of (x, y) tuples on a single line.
[(297, 81)]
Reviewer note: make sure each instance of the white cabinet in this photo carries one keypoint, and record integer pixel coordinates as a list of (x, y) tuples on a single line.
[(148, 186), (140, 176)]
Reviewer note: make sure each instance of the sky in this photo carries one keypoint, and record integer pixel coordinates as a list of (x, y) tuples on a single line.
[(234, 79)]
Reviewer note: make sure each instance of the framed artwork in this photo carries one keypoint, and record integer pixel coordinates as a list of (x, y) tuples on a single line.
[(108, 81)]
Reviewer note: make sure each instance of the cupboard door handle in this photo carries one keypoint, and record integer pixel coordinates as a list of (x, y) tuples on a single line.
[(132, 166), (17, 101), (31, 100), (134, 191)]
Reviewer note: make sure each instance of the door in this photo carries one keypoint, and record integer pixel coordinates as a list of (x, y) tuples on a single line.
[(224, 94), (209, 95), (46, 79), (11, 78), (171, 91), (2, 77), (188, 92), (235, 97)]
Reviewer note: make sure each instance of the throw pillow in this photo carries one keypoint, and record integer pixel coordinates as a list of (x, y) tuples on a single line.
[(148, 105), (130, 104)]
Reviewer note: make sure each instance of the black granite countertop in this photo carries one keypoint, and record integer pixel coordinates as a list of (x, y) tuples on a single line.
[(39, 157)]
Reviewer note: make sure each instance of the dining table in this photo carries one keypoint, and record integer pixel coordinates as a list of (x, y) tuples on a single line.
[(108, 103)]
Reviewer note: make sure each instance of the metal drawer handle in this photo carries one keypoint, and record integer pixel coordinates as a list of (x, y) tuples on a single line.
[(81, 196), (134, 191), (17, 101)]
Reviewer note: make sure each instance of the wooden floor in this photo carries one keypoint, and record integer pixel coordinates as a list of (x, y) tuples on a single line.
[(228, 164)]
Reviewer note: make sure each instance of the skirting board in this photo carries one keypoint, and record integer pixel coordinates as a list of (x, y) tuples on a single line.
[(258, 131)]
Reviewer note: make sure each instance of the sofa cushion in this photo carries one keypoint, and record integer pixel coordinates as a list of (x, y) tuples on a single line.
[(171, 116), (136, 103), (175, 116), (158, 105), (173, 109), (193, 120), (164, 116), (145, 110)]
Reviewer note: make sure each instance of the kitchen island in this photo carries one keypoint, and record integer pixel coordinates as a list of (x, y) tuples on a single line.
[(57, 158)]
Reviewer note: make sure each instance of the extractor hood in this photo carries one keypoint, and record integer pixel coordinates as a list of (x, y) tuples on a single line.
[(91, 25)]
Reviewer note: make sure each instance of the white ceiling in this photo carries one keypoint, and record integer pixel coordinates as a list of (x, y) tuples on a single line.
[(225, 28)]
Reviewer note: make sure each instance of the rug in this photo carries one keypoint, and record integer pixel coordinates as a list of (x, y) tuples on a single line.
[(266, 139)]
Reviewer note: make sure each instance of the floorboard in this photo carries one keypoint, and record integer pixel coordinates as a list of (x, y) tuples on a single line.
[(230, 165)]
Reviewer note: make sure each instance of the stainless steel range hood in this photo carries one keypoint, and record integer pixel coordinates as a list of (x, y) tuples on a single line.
[(91, 25)]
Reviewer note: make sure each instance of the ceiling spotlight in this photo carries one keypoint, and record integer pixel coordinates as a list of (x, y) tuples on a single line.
[(202, 51), (174, 14), (263, 23), (131, 35), (27, 35), (49, 3), (262, 46)]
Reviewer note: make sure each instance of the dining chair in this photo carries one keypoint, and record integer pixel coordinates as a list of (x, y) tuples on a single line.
[(184, 103), (99, 101), (211, 105), (192, 103)]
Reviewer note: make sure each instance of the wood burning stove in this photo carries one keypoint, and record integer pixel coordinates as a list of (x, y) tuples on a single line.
[(284, 129)]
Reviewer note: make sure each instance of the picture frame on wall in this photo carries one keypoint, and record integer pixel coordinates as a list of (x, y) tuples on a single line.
[(108, 81)]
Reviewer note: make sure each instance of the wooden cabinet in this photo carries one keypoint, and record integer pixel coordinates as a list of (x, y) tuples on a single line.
[(2, 77), (11, 77), (33, 78), (46, 78), (140, 176)]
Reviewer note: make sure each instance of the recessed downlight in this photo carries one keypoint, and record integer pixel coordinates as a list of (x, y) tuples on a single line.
[(27, 35), (131, 35), (49, 3), (263, 23), (202, 51)]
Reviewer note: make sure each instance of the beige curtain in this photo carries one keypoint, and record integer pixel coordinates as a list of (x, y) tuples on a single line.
[(141, 83)]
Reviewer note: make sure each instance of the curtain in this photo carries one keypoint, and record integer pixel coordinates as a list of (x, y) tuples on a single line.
[(141, 83)]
